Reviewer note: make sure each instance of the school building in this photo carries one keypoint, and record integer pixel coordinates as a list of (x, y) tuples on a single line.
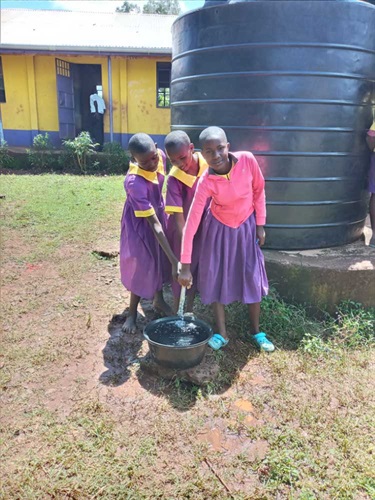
[(50, 62)]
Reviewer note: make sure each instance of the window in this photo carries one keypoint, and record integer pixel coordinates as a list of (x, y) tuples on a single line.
[(2, 88), (163, 76)]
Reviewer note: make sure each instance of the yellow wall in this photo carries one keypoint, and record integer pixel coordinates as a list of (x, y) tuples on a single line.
[(142, 98), (31, 96), (45, 76), (16, 111)]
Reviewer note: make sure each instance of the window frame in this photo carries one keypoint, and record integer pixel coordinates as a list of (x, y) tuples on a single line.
[(165, 91), (2, 84)]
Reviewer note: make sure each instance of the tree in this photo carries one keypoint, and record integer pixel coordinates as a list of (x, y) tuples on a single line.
[(128, 7), (162, 7)]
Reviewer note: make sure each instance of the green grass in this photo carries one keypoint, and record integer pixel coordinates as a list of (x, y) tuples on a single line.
[(52, 210), (313, 398)]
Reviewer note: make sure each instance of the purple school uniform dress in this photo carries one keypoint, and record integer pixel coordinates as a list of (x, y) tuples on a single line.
[(180, 193), (144, 266), (231, 268)]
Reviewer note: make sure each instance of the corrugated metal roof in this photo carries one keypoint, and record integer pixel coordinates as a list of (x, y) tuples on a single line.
[(85, 31)]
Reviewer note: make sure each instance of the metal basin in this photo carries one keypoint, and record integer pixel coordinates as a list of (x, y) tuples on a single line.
[(176, 343)]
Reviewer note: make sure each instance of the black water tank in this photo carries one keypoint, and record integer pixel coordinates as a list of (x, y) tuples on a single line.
[(290, 81)]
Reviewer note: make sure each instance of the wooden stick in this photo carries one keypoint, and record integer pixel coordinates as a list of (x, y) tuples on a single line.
[(217, 475)]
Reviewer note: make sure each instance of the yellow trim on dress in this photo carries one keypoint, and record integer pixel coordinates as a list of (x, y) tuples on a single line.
[(188, 179), (170, 209), (149, 176), (144, 213), (203, 165)]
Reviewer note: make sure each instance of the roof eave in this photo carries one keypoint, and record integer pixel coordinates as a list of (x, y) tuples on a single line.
[(103, 51)]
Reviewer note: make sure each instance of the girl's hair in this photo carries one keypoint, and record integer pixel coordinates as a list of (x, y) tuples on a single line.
[(212, 133), (177, 139), (141, 143)]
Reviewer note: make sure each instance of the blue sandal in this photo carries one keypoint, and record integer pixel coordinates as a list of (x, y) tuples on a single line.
[(263, 343), (217, 342)]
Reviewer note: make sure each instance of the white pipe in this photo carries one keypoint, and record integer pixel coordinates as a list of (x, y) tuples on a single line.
[(110, 98), (1, 128)]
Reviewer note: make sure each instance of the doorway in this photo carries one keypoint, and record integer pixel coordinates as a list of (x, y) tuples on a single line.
[(75, 84), (86, 78)]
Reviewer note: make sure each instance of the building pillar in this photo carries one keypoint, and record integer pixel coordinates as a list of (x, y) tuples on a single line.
[(34, 122), (124, 101)]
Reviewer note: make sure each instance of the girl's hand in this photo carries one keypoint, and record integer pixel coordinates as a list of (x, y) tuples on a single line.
[(261, 235), (185, 278)]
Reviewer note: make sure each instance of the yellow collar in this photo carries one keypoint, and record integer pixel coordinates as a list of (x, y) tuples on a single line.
[(233, 161), (188, 179), (149, 176)]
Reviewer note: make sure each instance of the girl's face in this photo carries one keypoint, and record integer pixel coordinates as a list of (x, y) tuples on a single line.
[(215, 151), (182, 156), (148, 161)]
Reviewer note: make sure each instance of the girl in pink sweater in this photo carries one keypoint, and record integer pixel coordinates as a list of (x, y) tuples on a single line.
[(231, 266)]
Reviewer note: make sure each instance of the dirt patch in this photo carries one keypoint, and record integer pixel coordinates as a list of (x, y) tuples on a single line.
[(82, 420), (108, 249), (65, 348), (223, 440)]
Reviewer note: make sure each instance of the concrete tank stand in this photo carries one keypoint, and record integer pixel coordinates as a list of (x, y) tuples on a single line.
[(322, 278)]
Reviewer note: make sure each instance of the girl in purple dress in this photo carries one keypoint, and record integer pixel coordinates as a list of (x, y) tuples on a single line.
[(188, 167), (144, 248), (231, 267)]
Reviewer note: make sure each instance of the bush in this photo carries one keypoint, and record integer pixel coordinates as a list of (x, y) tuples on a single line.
[(82, 149), (76, 155), (6, 160), (66, 159), (41, 155), (116, 160)]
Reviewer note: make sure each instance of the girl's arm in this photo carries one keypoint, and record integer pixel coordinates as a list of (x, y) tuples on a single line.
[(193, 219), (136, 190), (157, 229), (180, 224), (259, 200), (259, 195), (174, 204), (197, 207)]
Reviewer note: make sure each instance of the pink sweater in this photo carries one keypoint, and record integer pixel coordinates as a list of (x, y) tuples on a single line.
[(235, 196)]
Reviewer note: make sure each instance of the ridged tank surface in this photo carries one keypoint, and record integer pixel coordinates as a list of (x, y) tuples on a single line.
[(291, 81)]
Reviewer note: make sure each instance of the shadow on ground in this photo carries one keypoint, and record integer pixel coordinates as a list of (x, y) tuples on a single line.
[(128, 356), (121, 350)]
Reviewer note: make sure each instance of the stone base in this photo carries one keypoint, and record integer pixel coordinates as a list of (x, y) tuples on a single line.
[(205, 372), (323, 278)]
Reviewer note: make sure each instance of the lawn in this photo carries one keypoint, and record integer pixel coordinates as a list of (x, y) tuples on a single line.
[(81, 420)]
